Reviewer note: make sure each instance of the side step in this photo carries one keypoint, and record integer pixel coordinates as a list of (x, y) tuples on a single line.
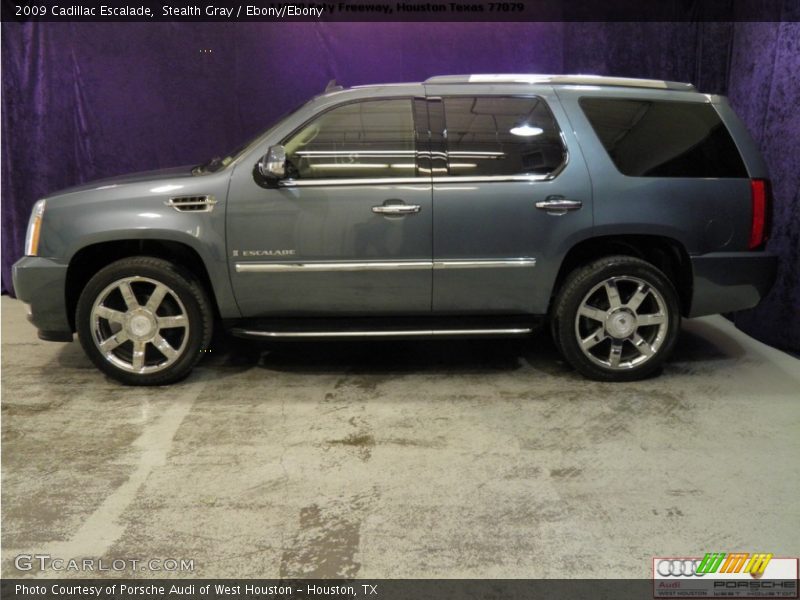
[(381, 328), (396, 334)]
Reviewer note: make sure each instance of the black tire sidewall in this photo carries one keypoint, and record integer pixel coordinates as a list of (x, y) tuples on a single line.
[(179, 281), (575, 288)]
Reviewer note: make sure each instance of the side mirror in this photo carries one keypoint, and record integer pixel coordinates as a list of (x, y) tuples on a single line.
[(272, 165)]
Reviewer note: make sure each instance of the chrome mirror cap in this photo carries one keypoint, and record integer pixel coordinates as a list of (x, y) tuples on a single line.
[(273, 164)]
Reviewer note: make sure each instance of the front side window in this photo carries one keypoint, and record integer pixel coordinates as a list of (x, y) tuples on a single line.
[(501, 135), (659, 138), (370, 139)]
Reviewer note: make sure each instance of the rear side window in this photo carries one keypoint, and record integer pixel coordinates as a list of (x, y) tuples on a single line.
[(497, 135), (648, 138)]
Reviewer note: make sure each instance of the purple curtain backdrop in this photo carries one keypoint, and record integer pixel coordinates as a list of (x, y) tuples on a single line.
[(89, 100), (764, 88)]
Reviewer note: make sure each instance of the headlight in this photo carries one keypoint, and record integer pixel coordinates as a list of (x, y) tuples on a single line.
[(34, 226)]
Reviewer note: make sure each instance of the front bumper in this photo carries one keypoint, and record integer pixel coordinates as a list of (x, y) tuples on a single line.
[(40, 283), (729, 281)]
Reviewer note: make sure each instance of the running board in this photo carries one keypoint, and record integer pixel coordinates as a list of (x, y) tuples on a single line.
[(394, 334)]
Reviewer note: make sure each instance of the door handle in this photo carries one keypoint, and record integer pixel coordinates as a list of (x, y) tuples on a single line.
[(396, 209), (558, 205)]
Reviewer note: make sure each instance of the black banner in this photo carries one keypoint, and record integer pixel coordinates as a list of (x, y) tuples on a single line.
[(383, 589), (400, 10)]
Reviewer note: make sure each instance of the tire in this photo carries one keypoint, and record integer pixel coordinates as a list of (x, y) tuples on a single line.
[(617, 319), (144, 321)]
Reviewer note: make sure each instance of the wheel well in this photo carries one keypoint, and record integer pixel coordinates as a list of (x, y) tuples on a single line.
[(666, 254), (89, 260)]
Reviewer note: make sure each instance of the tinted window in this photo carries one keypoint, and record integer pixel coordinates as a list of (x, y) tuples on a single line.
[(361, 139), (664, 139), (495, 135)]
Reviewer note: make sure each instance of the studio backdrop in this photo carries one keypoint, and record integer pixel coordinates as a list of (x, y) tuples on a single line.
[(81, 101)]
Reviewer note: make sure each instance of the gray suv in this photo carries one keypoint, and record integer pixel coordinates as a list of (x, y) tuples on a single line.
[(473, 205)]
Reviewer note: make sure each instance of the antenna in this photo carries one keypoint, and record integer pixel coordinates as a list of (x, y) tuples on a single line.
[(332, 86)]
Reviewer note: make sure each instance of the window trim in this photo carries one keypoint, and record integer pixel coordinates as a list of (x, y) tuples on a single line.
[(350, 181), (502, 178), (292, 183)]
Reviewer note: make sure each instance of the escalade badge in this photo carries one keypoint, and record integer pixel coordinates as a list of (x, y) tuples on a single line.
[(263, 252)]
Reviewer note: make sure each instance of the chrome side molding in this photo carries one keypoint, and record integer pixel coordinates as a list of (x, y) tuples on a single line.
[(275, 267), (484, 264), (296, 267)]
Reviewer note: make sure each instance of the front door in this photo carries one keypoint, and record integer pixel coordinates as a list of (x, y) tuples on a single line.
[(349, 232), (508, 200)]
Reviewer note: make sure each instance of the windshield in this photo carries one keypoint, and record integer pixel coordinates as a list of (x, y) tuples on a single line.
[(220, 162)]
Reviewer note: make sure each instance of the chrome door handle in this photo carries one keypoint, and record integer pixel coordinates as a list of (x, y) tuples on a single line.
[(396, 209), (559, 205)]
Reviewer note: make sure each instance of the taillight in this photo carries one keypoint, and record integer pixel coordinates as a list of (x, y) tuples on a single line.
[(760, 222)]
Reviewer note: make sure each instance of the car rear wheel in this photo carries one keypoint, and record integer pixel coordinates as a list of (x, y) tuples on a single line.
[(617, 319), (144, 321)]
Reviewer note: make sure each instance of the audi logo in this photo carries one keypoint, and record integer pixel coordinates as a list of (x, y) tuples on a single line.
[(686, 567)]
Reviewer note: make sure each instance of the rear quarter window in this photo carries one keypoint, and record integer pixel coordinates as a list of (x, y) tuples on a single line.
[(655, 138)]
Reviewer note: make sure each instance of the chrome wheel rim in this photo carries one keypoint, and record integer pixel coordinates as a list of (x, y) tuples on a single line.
[(621, 323), (139, 325)]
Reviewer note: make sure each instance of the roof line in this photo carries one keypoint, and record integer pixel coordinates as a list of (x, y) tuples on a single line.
[(528, 79)]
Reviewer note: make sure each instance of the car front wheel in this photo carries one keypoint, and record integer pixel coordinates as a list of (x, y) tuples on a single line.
[(617, 319), (144, 321)]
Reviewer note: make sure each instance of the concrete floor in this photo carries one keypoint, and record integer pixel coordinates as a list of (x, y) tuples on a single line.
[(430, 459)]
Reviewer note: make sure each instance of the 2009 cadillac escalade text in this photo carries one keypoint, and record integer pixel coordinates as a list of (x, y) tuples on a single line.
[(477, 205), (104, 10)]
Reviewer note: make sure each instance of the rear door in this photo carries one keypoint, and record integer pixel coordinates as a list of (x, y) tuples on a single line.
[(510, 198)]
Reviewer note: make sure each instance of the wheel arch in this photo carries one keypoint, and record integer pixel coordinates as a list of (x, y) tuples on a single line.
[(665, 253), (89, 259)]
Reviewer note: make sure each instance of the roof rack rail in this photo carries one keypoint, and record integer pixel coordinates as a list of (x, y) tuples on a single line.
[(565, 80)]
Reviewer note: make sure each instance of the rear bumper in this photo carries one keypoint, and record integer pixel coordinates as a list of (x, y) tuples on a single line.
[(730, 281), (40, 283)]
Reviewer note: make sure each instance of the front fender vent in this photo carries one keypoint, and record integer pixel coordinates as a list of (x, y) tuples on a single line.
[(192, 203)]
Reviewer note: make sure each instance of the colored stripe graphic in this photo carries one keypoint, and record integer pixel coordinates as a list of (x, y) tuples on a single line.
[(758, 563), (713, 562), (734, 562), (710, 562)]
